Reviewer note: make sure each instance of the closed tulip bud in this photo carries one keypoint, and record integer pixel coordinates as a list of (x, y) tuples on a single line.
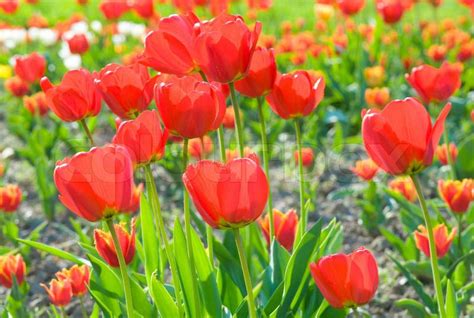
[(231, 154), (200, 148), (442, 239), (78, 44), (30, 68), (457, 194), (78, 276), (377, 97), (75, 98), (10, 198), (307, 156), (114, 9), (188, 107), (350, 7), (16, 86), (435, 84), (285, 227), (375, 75), (437, 52), (98, 184), (36, 104), (127, 90), (405, 187), (296, 94), (261, 74), (144, 137), (12, 267), (104, 244), (224, 47), (400, 139), (144, 8), (229, 195), (168, 49), (391, 10), (229, 118), (365, 169), (347, 280), (59, 292), (9, 6), (442, 153)]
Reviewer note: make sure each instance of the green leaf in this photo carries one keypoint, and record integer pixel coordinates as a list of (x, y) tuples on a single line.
[(149, 238), (414, 308), (464, 162), (165, 303), (451, 302), (54, 251)]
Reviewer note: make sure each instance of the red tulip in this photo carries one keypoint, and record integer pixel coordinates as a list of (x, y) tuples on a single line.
[(350, 7), (224, 47), (231, 154), (36, 104), (30, 68), (78, 44), (391, 10), (9, 6), (105, 245), (377, 97), (200, 148), (400, 139), (78, 276), (229, 118), (188, 107), (307, 156), (144, 137), (296, 94), (219, 6), (347, 280), (433, 84), (227, 195), (184, 5), (144, 8), (457, 194), (261, 74), (114, 9), (127, 90), (16, 86), (365, 169), (405, 187), (169, 48), (11, 266), (10, 198), (442, 153), (76, 98), (442, 239), (59, 292), (97, 184), (285, 227)]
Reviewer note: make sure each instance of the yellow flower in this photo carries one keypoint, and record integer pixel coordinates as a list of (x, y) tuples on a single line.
[(5, 71)]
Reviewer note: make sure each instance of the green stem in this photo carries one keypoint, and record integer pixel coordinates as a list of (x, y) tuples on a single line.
[(304, 217), (83, 308), (220, 137), (123, 269), (187, 225), (433, 255), (62, 310), (87, 131), (160, 224), (448, 155), (238, 122), (266, 158), (459, 218), (355, 312), (245, 271)]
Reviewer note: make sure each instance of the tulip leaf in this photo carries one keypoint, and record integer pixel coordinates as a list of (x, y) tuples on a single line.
[(464, 162), (414, 308), (149, 238), (54, 251), (451, 305), (163, 300)]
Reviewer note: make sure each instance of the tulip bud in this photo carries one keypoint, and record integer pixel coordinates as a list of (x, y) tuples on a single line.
[(457, 194), (10, 198), (200, 148), (442, 239), (365, 169), (59, 292), (36, 104), (78, 276), (16, 86), (285, 227), (442, 153), (30, 68), (307, 156), (11, 267), (78, 44), (405, 187), (104, 244)]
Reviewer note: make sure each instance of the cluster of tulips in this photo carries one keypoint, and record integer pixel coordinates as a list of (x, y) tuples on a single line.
[(197, 67)]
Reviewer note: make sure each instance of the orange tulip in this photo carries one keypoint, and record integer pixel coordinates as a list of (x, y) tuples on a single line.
[(200, 148), (11, 267), (104, 244), (365, 169), (78, 276), (10, 198), (375, 75), (285, 227), (16, 86), (377, 97), (36, 104), (231, 154), (442, 239), (405, 187), (442, 153), (457, 194), (59, 292)]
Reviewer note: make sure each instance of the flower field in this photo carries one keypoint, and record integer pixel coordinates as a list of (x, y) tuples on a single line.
[(237, 158)]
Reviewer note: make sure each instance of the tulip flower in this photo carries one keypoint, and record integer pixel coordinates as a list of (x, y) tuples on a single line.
[(261, 74), (30, 68), (350, 7), (347, 280), (10, 198), (457, 194), (375, 75), (365, 169), (76, 98), (16, 86), (188, 107), (97, 184), (400, 139), (307, 157), (36, 104), (59, 292), (442, 153), (404, 186), (285, 227), (78, 44), (390, 10), (377, 97), (231, 154), (114, 9), (11, 267), (127, 90), (224, 47), (144, 137), (144, 8), (437, 52), (9, 6), (200, 148), (443, 240), (295, 94), (169, 48), (78, 276), (229, 118), (228, 195), (104, 244), (435, 84)]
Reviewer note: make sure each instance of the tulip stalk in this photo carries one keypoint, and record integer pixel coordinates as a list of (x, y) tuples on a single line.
[(156, 207), (459, 219), (246, 273), (304, 216), (83, 308), (448, 155), (123, 268), (87, 131), (238, 122), (432, 244), (266, 158), (355, 312)]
